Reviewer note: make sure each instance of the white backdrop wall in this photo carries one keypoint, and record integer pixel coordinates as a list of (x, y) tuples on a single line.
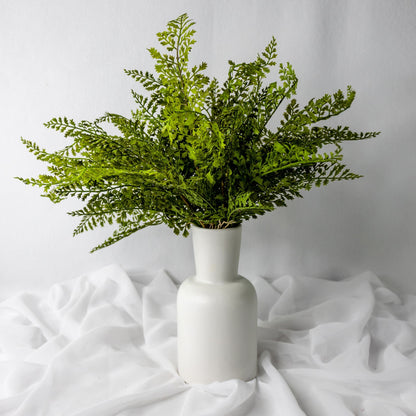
[(66, 58)]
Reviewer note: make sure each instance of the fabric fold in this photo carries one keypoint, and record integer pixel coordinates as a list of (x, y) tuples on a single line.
[(104, 344)]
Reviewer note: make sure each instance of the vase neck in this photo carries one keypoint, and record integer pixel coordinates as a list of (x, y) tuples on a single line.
[(216, 253)]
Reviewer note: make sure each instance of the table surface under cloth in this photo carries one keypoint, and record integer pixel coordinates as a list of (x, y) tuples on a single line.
[(104, 344)]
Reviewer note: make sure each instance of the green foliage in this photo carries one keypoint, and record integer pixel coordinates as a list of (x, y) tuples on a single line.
[(196, 151)]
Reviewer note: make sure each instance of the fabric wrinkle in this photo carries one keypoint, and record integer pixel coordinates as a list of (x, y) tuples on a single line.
[(104, 344)]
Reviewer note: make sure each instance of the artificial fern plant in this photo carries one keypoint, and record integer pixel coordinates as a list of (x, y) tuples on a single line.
[(194, 150)]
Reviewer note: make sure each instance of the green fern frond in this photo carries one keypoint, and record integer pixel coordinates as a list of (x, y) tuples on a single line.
[(194, 150)]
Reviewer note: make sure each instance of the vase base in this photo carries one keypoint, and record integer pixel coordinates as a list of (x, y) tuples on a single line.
[(246, 380)]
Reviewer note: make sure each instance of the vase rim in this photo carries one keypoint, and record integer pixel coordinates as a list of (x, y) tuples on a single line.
[(197, 227)]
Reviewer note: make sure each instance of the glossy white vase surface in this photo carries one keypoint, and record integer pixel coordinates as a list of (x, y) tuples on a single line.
[(217, 312)]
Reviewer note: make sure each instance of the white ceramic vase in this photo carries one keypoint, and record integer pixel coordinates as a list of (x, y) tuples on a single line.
[(217, 312)]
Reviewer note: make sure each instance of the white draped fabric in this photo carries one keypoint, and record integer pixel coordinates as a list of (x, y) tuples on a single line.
[(104, 344)]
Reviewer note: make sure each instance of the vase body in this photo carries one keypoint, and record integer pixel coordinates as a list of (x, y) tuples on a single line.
[(217, 312)]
